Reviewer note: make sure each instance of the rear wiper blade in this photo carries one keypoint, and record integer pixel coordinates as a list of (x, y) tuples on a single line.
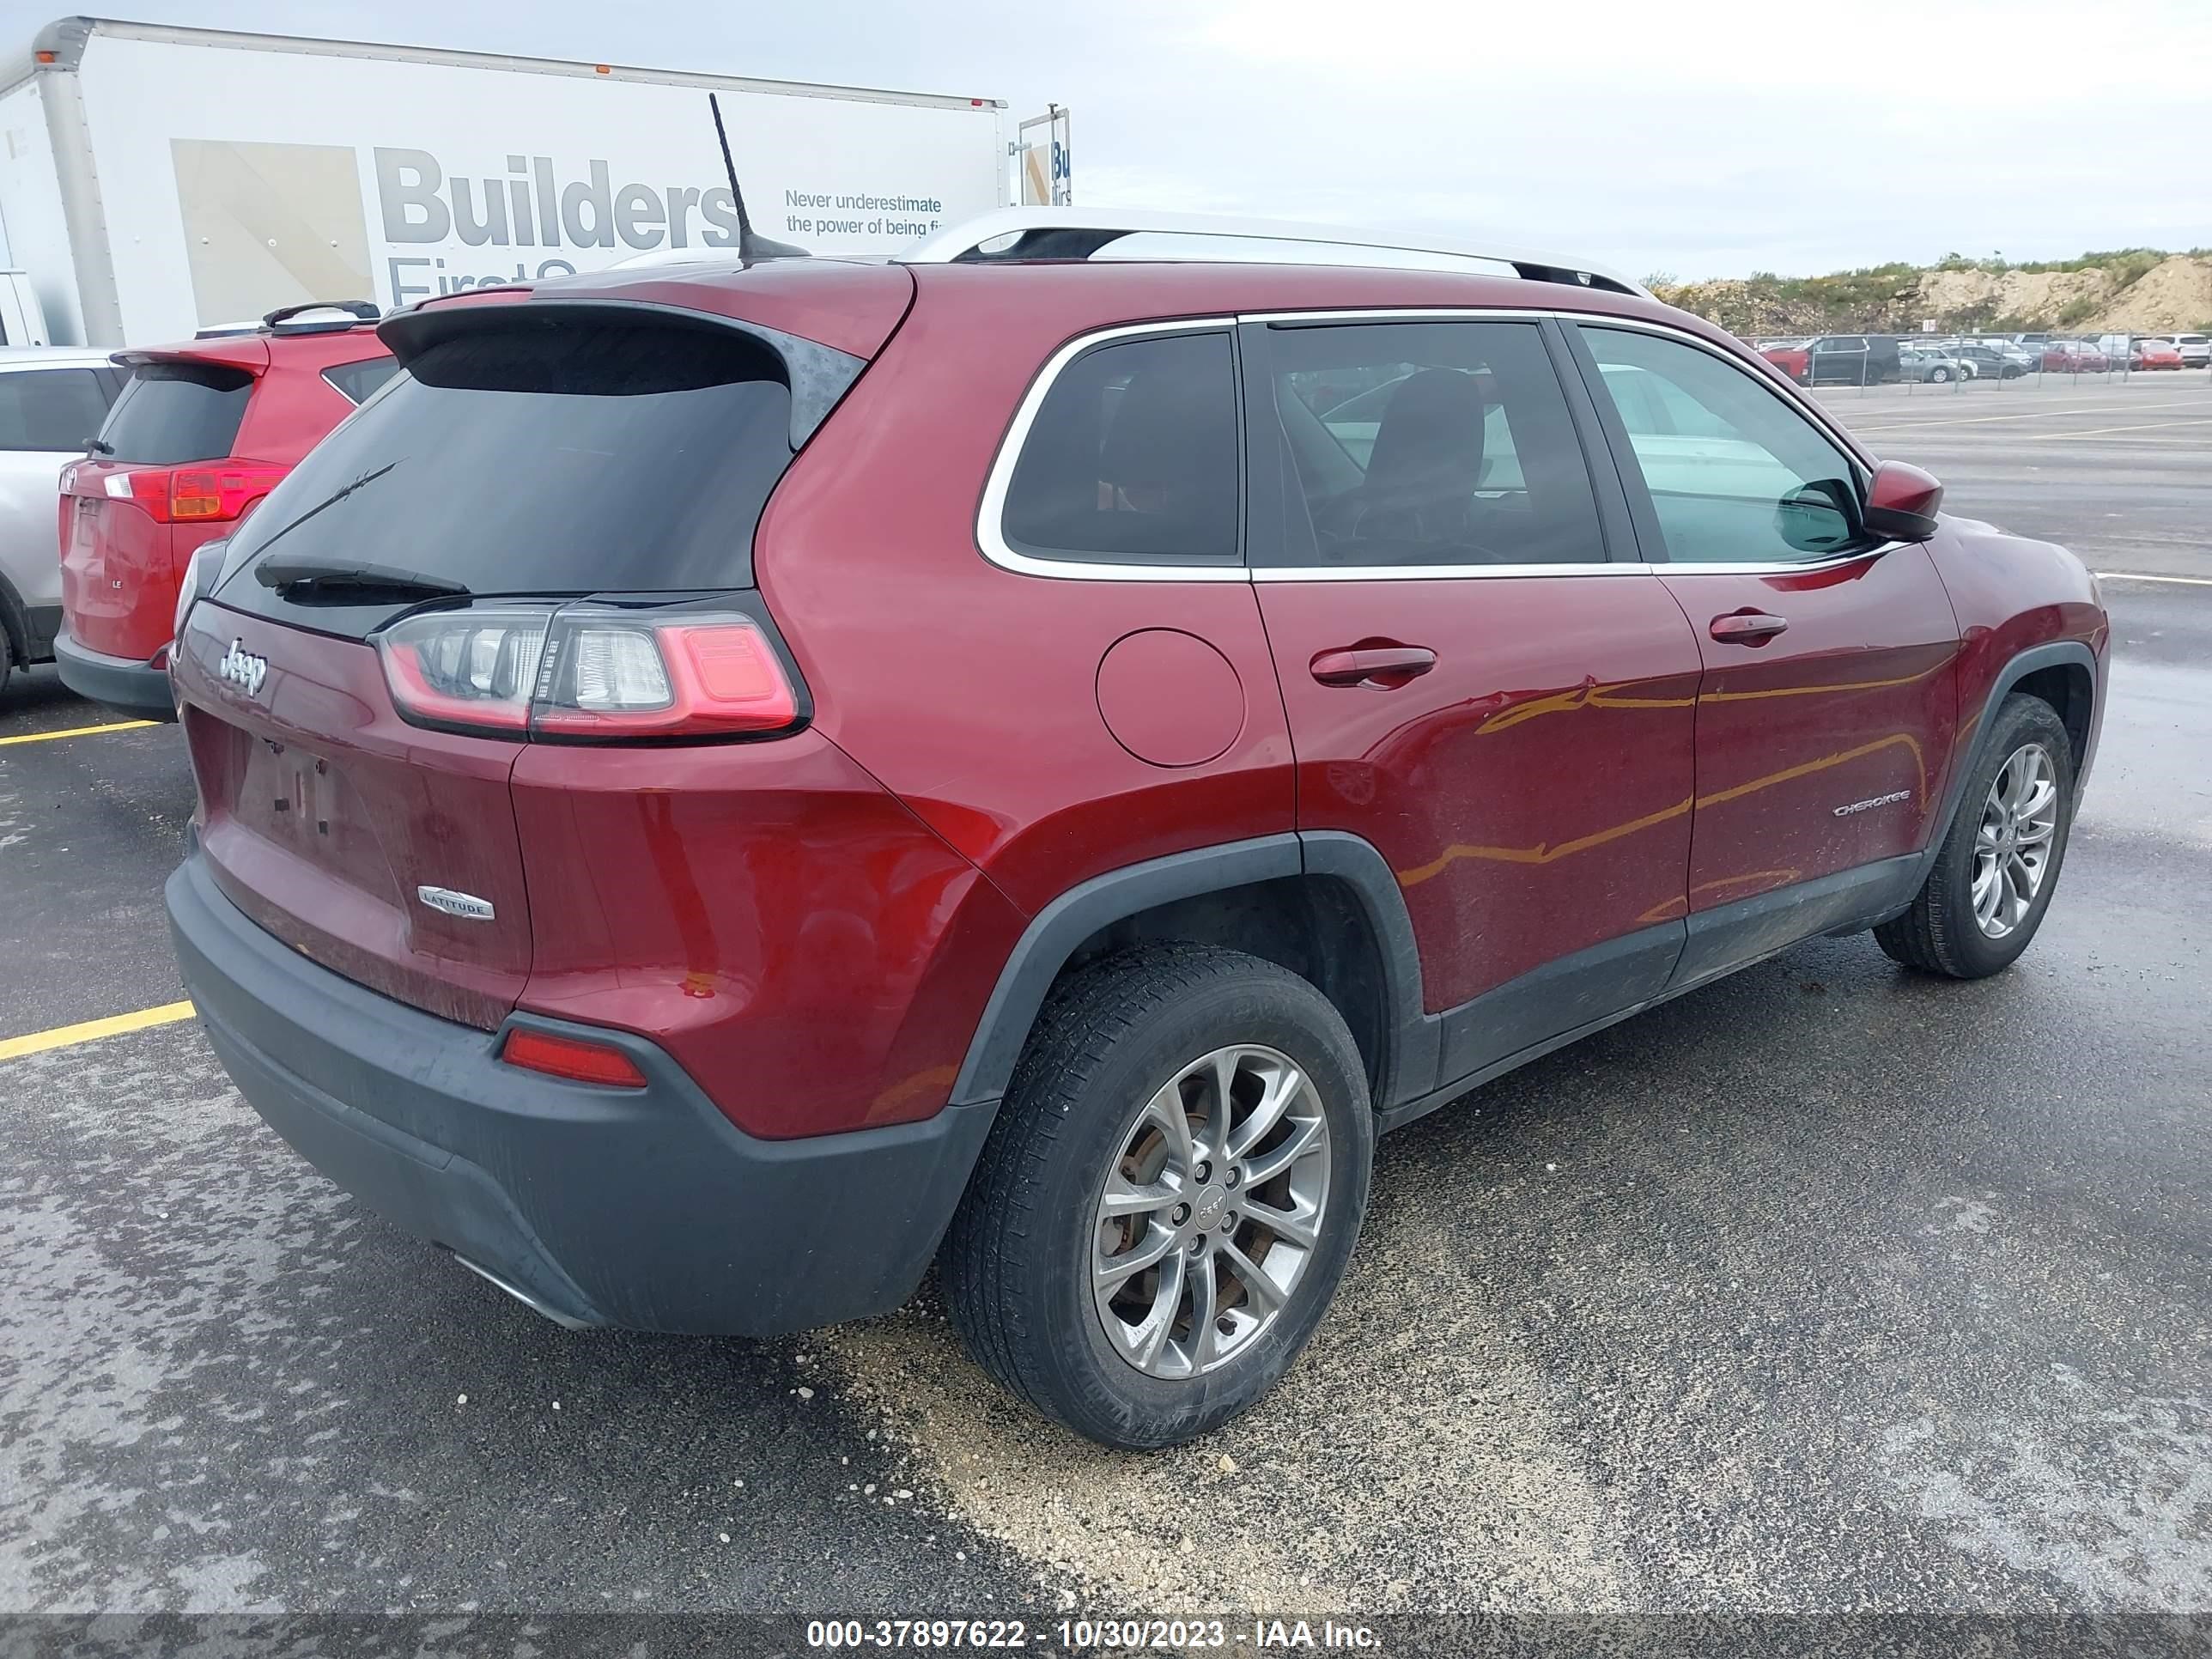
[(326, 576), (329, 500)]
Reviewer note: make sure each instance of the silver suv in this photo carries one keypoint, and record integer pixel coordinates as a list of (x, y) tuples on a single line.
[(53, 401)]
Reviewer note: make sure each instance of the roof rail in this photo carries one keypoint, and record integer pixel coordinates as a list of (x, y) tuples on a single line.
[(1059, 233)]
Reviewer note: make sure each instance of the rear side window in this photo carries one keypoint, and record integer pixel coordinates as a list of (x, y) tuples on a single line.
[(1131, 458), (51, 408), (574, 460), (1428, 444), (354, 381), (174, 412)]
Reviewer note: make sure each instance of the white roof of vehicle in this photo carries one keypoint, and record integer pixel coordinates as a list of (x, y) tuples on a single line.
[(50, 357)]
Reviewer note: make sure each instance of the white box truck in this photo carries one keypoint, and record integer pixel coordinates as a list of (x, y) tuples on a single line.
[(156, 180)]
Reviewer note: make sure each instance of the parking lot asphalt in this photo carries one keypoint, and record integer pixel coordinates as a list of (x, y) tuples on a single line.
[(2112, 465), (1824, 1287)]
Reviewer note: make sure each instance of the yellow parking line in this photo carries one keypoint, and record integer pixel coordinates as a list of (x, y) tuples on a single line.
[(77, 731), (86, 1031)]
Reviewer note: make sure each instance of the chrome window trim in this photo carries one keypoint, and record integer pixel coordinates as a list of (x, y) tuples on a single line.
[(1408, 572), (1407, 314), (990, 517), (1775, 567)]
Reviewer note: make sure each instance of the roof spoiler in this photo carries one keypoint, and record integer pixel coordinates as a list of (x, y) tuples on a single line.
[(817, 375)]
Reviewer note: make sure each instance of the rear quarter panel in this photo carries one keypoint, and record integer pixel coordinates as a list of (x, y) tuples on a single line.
[(813, 955), (969, 690), (294, 408)]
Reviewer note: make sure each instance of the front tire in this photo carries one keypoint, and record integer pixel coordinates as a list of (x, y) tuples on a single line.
[(1988, 891), (1168, 1198), (1938, 376)]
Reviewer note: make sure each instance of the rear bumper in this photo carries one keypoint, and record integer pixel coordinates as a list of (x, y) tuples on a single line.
[(645, 1209), (137, 688)]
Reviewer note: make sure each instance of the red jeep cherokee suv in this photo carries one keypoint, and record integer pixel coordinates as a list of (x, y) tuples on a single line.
[(725, 783), (201, 433)]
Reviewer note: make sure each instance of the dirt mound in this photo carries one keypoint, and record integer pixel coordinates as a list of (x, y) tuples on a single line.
[(2136, 291), (2174, 294), (1763, 305), (2043, 297)]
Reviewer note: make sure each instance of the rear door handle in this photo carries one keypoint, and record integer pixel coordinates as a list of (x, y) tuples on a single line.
[(1378, 665), (1746, 628)]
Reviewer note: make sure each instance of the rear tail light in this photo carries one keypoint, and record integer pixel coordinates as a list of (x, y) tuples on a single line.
[(577, 1059), (194, 495), (586, 675)]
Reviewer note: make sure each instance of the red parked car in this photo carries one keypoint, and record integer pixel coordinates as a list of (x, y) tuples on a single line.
[(728, 782), (202, 432), (2074, 357), (2154, 353), (1793, 357)]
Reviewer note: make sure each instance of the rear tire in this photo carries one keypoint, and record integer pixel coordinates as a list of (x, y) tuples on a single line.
[(1084, 1174), (7, 658), (1989, 886), (1939, 376)]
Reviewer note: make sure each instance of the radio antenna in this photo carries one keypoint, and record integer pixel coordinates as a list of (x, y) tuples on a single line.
[(750, 245)]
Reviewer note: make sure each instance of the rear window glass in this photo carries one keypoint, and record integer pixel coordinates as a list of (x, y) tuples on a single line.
[(574, 460), (57, 409), (354, 381), (175, 412)]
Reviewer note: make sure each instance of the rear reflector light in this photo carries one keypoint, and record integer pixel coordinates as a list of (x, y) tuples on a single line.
[(596, 675), (574, 1058), (194, 495)]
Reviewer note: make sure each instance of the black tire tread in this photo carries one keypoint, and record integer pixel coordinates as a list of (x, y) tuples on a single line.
[(1927, 937), (990, 1255)]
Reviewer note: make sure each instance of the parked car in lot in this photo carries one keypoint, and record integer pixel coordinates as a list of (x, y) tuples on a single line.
[(2074, 357), (2152, 353), (1990, 360), (202, 433), (53, 400), (1792, 357), (2196, 350), (993, 758), (1932, 363), (1851, 360)]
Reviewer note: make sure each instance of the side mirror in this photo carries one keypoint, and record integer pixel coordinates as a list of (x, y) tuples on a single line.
[(1902, 502)]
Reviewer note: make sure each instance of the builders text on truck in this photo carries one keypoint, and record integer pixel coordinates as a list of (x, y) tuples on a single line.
[(157, 180)]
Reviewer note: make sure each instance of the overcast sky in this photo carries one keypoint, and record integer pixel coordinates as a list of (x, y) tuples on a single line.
[(1699, 137)]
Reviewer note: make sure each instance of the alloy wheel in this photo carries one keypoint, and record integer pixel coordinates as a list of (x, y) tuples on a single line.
[(2013, 841), (1211, 1212)]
